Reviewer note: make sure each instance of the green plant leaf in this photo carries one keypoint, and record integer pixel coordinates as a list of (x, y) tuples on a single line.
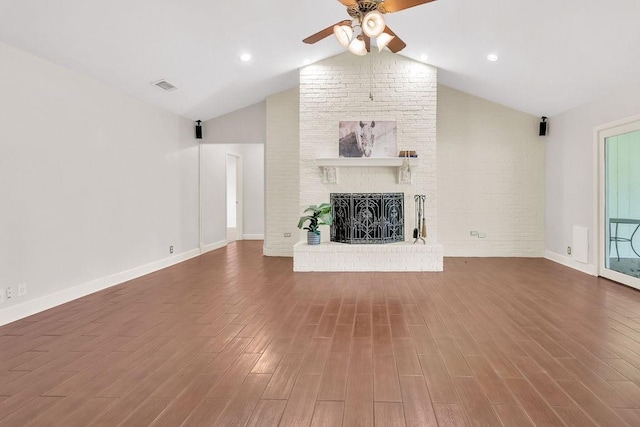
[(321, 216), (326, 219), (303, 219)]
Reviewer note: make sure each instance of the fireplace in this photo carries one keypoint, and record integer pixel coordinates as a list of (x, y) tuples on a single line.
[(367, 218)]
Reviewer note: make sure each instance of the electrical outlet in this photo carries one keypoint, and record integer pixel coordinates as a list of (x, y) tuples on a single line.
[(171, 249), (9, 292), (287, 234), (22, 289), (568, 250), (482, 235), (473, 233)]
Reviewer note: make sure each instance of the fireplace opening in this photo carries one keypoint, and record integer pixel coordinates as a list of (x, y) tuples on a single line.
[(372, 218)]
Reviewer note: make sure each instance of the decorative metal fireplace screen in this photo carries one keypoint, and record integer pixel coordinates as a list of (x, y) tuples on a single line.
[(367, 217)]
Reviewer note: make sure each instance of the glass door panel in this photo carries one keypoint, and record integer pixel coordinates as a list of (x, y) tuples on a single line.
[(621, 150)]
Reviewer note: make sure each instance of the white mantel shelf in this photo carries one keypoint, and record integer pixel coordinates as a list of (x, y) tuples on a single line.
[(359, 162), (330, 165)]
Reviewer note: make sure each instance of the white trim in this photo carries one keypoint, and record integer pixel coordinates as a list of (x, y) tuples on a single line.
[(28, 308), (253, 237), (239, 193), (200, 225), (600, 133), (288, 253), (569, 262), (213, 246)]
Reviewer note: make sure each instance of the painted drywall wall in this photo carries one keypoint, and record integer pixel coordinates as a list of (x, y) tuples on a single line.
[(282, 180), (213, 192), (570, 171), (247, 125), (213, 197), (490, 178), (96, 185)]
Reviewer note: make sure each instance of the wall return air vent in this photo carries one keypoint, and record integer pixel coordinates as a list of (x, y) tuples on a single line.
[(165, 85)]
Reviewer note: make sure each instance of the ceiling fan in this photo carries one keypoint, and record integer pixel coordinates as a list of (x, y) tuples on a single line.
[(367, 14)]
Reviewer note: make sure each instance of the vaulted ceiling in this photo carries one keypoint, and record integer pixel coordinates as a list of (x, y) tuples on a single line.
[(553, 55)]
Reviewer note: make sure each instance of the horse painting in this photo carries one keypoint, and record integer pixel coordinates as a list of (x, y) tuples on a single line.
[(360, 142)]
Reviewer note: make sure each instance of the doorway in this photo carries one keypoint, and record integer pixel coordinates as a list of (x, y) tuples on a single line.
[(619, 202), (234, 197)]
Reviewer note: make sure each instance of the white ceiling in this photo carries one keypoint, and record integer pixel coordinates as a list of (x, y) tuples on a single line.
[(554, 54)]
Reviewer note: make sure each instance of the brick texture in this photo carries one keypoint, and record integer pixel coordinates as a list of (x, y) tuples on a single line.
[(338, 89), (490, 178), (281, 169), (404, 91)]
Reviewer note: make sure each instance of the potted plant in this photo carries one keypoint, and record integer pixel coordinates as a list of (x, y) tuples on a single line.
[(319, 215)]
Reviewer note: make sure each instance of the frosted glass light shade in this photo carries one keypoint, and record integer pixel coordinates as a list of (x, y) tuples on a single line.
[(343, 33), (357, 47), (373, 24), (383, 40)]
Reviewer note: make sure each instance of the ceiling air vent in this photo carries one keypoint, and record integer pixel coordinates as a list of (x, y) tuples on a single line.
[(165, 85)]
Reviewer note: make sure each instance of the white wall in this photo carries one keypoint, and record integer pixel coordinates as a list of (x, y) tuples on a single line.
[(213, 191), (490, 178), (95, 185), (247, 125), (282, 190), (569, 166)]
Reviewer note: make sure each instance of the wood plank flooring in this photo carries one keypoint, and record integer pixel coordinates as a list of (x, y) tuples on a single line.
[(234, 338)]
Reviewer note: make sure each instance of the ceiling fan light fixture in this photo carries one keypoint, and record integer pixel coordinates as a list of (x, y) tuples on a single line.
[(383, 40), (343, 33), (373, 24), (358, 47)]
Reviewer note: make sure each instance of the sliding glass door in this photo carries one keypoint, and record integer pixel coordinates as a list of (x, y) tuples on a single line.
[(619, 151)]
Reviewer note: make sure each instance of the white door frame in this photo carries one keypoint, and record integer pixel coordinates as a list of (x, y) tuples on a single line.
[(630, 124), (239, 193)]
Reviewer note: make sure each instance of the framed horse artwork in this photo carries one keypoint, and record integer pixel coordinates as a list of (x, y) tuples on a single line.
[(367, 138)]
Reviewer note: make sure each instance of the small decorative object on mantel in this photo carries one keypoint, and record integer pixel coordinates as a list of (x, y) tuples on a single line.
[(420, 231), (319, 215), (408, 153)]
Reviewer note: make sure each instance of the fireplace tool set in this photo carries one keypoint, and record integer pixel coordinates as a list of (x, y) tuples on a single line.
[(420, 232)]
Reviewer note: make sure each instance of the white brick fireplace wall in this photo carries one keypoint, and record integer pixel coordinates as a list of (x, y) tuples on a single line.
[(339, 89)]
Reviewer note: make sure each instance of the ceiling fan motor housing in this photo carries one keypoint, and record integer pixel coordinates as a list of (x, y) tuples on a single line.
[(361, 8)]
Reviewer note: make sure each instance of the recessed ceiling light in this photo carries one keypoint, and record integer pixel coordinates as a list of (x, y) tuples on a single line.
[(306, 61), (245, 57), (423, 58), (492, 57)]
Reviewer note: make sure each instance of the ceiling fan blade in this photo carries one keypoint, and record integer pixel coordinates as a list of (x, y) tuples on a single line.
[(389, 6), (348, 2), (324, 33), (367, 42), (395, 45)]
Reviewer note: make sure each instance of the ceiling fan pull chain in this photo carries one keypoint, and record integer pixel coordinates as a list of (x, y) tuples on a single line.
[(371, 76)]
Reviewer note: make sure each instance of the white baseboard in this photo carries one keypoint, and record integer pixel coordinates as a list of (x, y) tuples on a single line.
[(213, 246), (253, 237), (277, 252), (569, 262), (37, 305)]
